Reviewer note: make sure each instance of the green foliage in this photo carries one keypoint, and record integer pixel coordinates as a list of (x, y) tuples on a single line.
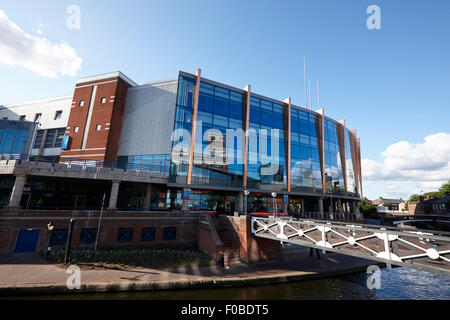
[(443, 189), (367, 209), (132, 257), (434, 194)]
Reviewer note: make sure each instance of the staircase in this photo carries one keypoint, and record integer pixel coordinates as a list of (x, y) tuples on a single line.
[(229, 238)]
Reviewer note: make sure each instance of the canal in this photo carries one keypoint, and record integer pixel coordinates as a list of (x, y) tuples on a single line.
[(396, 283)]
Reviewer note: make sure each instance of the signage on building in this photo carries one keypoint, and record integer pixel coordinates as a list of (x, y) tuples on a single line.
[(65, 143), (186, 195)]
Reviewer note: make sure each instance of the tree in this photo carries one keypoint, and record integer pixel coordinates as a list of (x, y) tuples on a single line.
[(414, 198), (433, 194), (443, 189), (367, 209)]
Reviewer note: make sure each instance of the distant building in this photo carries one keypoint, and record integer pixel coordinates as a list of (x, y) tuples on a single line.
[(391, 204), (430, 205), (365, 200)]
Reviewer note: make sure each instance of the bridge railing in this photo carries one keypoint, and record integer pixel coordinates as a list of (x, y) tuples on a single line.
[(335, 216), (420, 249)]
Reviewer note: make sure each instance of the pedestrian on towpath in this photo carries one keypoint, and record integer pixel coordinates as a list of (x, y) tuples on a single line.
[(311, 253)]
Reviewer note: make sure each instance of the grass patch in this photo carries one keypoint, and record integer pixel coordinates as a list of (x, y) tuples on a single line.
[(155, 258)]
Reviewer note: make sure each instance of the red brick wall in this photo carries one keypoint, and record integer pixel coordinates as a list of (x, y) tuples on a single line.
[(186, 227), (109, 115), (253, 249)]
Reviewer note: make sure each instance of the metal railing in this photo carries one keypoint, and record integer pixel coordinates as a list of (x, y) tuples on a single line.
[(420, 249), (335, 216), (163, 170)]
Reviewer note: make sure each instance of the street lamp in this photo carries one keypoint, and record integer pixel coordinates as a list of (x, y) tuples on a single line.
[(99, 223), (274, 195), (50, 227), (69, 240), (246, 193)]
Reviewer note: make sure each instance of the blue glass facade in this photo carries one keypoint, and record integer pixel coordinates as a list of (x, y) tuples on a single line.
[(218, 150), (266, 154), (155, 163), (334, 174), (306, 174), (183, 120), (349, 151), (13, 136)]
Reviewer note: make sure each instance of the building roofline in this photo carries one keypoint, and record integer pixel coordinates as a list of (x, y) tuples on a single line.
[(259, 96), (13, 105), (107, 76)]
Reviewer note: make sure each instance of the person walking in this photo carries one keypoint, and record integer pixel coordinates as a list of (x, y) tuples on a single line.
[(311, 253)]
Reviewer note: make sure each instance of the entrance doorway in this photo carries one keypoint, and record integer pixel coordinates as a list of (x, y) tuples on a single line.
[(27, 240)]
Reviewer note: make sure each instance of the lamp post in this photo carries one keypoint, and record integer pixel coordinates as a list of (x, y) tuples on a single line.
[(274, 195), (99, 222), (69, 240), (246, 193), (50, 227)]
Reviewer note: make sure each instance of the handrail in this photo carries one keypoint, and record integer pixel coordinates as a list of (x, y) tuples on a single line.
[(162, 169)]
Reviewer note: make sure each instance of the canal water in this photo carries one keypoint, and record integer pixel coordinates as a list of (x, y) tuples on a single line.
[(396, 283)]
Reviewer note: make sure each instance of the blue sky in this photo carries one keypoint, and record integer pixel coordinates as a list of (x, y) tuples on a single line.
[(392, 85)]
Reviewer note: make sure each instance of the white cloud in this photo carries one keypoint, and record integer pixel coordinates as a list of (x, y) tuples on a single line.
[(18, 48), (409, 168)]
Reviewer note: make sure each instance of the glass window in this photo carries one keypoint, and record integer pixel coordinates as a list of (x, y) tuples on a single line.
[(235, 124), (170, 233), (37, 117), (125, 235), (220, 121), (50, 139), (236, 105), (206, 97), (58, 237), (148, 234), (221, 101), (38, 139), (58, 115), (205, 117), (88, 236), (185, 91)]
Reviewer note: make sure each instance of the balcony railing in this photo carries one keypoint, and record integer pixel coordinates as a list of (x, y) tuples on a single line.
[(162, 169)]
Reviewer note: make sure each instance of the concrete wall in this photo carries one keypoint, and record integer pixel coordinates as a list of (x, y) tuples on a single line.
[(148, 119), (47, 107)]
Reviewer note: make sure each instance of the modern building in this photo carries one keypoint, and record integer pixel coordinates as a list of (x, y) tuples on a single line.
[(182, 144)]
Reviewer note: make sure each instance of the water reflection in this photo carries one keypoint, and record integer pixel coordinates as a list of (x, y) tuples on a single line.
[(397, 283)]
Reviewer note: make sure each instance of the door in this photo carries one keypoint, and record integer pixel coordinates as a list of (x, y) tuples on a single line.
[(27, 240)]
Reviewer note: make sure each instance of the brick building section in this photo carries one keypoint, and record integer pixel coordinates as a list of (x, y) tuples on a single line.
[(186, 228), (192, 230), (100, 144)]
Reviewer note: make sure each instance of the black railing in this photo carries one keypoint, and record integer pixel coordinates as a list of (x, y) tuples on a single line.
[(162, 169)]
